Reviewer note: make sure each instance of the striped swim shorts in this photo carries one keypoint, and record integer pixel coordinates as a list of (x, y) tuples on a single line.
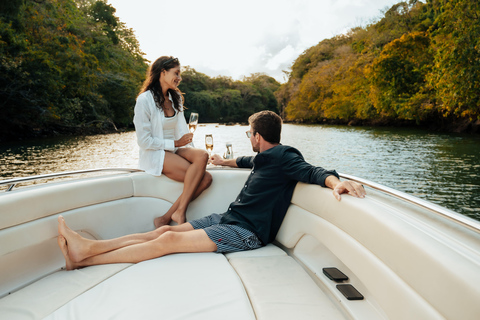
[(227, 237)]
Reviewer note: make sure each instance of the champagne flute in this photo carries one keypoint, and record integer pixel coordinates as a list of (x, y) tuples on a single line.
[(209, 143), (192, 124)]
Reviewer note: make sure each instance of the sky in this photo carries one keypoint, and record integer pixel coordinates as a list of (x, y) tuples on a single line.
[(237, 38)]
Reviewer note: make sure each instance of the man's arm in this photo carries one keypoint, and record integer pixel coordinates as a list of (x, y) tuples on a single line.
[(219, 161), (297, 168)]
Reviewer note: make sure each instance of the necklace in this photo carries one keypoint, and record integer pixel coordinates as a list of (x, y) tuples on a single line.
[(168, 111)]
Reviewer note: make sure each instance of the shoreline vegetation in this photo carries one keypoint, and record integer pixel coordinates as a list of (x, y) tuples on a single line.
[(72, 67), (419, 65)]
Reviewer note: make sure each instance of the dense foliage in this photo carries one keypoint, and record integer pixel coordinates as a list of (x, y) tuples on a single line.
[(223, 100), (72, 66), (419, 64), (66, 66)]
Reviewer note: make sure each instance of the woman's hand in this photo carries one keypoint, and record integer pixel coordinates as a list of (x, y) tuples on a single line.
[(184, 140)]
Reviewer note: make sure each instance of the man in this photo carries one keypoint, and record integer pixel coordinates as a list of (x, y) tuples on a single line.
[(250, 222)]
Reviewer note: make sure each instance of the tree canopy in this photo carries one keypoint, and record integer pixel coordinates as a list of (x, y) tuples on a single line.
[(419, 64), (72, 66), (65, 66), (222, 99)]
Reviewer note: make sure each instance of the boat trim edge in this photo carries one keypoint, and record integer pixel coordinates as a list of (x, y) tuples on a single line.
[(451, 215), (11, 183)]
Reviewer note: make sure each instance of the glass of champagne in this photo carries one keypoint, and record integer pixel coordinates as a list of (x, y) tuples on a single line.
[(192, 124), (209, 143)]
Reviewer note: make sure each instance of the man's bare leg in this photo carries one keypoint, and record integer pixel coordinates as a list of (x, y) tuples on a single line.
[(62, 243), (167, 243), (80, 248)]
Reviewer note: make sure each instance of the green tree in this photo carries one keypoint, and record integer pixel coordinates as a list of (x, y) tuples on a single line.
[(222, 99), (456, 70), (418, 62), (398, 77), (66, 66)]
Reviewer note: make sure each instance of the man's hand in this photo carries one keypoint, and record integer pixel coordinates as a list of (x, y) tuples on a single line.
[(340, 187), (219, 161), (216, 160), (349, 187)]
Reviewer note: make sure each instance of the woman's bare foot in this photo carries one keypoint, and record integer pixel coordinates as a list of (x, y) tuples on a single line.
[(161, 221), (77, 245), (178, 217), (62, 243)]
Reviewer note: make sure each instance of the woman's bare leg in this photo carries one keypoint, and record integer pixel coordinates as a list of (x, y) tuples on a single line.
[(81, 248), (194, 175), (167, 217), (188, 165), (167, 243)]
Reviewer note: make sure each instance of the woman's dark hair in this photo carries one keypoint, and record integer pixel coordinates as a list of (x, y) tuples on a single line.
[(152, 82), (268, 124)]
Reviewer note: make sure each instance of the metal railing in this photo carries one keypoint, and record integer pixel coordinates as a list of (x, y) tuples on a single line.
[(452, 215), (11, 183)]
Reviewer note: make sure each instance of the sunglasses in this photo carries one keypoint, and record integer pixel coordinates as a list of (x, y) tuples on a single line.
[(249, 133), (170, 60)]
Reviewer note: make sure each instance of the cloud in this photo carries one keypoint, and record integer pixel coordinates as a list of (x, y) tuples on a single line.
[(282, 58), (237, 38)]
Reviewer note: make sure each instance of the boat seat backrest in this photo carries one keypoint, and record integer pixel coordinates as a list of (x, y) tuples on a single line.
[(100, 208), (394, 258)]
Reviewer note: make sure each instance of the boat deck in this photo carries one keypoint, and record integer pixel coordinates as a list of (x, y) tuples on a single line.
[(405, 261), (266, 284)]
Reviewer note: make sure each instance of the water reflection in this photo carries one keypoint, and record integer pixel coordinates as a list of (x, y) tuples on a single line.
[(66, 154), (441, 168)]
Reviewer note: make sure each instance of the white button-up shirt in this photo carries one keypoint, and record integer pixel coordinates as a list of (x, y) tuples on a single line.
[(148, 122)]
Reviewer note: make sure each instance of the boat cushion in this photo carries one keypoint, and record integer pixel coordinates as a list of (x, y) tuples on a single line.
[(44, 296), (161, 288), (268, 251), (29, 252), (68, 195), (279, 288)]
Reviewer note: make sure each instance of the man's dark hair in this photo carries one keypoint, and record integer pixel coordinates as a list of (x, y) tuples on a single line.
[(268, 124)]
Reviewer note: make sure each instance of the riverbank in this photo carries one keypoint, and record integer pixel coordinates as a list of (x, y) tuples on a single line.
[(26, 132), (459, 126)]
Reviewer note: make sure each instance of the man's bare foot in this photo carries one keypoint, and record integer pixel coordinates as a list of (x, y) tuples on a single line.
[(178, 217), (62, 243), (77, 245), (161, 221)]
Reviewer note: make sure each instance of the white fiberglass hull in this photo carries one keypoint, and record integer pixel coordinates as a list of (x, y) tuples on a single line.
[(408, 262)]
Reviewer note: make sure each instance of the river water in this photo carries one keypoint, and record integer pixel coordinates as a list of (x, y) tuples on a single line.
[(441, 168)]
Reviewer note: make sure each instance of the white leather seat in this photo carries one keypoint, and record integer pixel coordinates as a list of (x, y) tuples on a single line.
[(162, 288)]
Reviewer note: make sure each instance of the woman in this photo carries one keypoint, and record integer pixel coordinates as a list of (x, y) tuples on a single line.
[(163, 137)]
